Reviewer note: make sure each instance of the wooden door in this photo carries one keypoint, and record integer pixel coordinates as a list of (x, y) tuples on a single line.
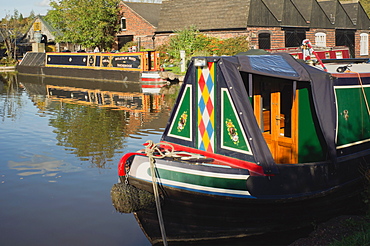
[(275, 108)]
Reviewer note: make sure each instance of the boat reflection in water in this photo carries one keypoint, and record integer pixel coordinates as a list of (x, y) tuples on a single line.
[(211, 224), (128, 96), (132, 101), (95, 120)]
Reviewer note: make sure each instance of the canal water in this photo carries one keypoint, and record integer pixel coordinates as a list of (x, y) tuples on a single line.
[(60, 144)]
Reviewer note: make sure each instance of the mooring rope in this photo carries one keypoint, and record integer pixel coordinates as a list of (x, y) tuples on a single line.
[(363, 91), (150, 149)]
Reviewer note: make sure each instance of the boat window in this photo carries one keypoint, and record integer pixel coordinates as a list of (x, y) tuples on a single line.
[(286, 103), (265, 124)]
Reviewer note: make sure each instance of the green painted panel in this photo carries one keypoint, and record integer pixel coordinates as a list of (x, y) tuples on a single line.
[(353, 116), (181, 127), (309, 142), (233, 135), (232, 184)]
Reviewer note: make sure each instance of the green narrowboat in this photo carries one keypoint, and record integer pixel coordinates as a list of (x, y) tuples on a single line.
[(268, 138)]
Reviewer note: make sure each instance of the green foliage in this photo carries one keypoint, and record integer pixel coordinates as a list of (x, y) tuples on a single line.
[(92, 133), (195, 43), (12, 27), (126, 47), (85, 22), (359, 238), (188, 40), (361, 235), (232, 46)]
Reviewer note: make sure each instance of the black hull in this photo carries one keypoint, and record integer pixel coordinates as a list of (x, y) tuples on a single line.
[(81, 73), (83, 83), (192, 216), (189, 217)]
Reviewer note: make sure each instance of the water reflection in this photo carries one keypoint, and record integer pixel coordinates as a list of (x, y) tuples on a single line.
[(12, 103), (93, 121), (45, 165), (57, 170), (188, 223)]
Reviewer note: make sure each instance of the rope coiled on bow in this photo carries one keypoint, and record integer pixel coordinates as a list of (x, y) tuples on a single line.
[(150, 150)]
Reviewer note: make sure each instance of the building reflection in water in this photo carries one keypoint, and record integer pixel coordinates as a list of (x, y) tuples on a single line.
[(97, 121)]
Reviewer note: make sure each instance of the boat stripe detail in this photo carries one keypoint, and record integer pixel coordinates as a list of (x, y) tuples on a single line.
[(142, 173), (201, 181), (201, 173), (206, 189)]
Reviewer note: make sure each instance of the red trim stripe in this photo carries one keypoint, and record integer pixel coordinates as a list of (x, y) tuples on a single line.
[(220, 159), (153, 79)]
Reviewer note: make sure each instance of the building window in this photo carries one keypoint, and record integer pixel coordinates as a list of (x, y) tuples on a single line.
[(294, 36), (123, 24), (346, 37), (264, 41), (320, 39), (364, 44)]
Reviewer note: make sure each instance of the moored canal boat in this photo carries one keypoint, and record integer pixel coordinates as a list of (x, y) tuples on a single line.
[(141, 67), (274, 141)]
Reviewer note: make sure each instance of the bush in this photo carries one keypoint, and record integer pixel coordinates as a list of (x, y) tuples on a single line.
[(232, 46), (195, 43), (128, 45)]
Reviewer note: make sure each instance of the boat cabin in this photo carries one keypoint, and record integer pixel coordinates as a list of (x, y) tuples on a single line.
[(268, 109)]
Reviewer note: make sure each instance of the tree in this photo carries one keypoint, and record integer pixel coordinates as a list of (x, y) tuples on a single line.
[(13, 27), (85, 22)]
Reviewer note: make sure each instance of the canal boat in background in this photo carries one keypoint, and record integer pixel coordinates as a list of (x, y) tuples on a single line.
[(269, 139), (140, 67), (304, 53)]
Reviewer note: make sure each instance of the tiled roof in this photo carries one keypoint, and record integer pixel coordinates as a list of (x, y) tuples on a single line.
[(357, 14), (237, 14), (336, 13), (148, 11), (205, 14)]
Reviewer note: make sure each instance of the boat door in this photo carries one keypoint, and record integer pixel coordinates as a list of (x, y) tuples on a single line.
[(275, 108)]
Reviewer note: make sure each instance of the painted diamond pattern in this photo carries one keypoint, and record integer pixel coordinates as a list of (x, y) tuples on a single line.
[(206, 121)]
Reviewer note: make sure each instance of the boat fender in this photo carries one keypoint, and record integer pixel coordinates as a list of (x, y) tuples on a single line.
[(127, 198)]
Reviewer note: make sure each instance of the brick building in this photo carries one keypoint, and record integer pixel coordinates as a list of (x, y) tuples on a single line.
[(138, 22), (266, 23)]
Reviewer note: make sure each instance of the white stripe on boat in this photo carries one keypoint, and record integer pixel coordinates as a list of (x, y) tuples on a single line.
[(143, 167), (141, 172), (203, 188)]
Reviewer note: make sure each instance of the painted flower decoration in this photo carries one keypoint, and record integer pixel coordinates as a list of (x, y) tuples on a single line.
[(232, 131), (182, 121)]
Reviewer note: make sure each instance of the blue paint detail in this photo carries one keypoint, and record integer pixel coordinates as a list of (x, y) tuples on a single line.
[(209, 129), (209, 83), (201, 147), (202, 105)]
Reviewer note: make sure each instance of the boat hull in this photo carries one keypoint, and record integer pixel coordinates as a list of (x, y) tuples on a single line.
[(189, 216), (80, 73), (302, 195)]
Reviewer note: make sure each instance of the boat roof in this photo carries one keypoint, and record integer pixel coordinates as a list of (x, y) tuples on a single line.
[(357, 65), (229, 77)]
